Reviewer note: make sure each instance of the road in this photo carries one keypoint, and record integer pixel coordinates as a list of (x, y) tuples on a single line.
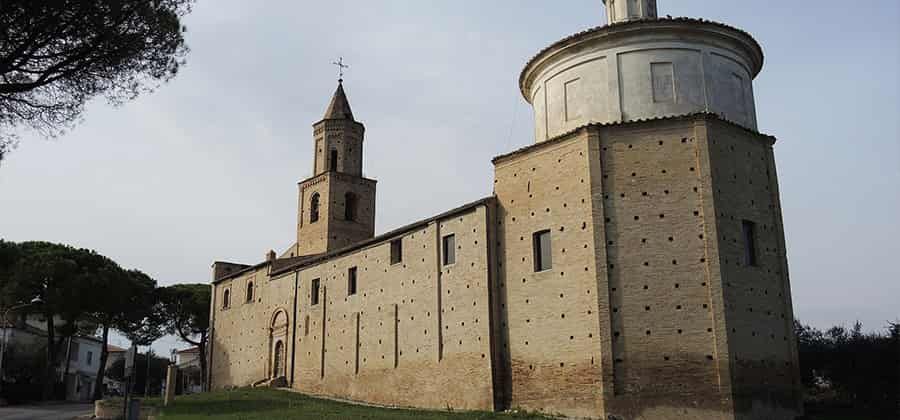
[(45, 412)]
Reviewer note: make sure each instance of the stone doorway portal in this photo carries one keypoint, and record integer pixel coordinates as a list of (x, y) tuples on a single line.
[(277, 348)]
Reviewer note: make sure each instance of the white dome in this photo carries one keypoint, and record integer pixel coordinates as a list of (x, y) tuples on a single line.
[(643, 69)]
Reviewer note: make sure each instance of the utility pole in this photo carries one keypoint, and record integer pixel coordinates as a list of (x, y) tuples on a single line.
[(129, 379)]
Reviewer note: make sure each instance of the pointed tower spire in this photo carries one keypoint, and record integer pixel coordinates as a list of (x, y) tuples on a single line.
[(339, 108)]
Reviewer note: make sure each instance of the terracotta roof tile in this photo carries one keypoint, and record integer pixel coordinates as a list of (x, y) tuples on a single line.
[(563, 136)]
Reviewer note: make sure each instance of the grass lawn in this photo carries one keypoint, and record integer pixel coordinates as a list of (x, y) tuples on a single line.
[(267, 404), (844, 414)]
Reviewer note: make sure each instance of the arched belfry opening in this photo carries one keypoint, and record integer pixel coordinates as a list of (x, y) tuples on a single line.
[(333, 161), (278, 335), (314, 208), (351, 202)]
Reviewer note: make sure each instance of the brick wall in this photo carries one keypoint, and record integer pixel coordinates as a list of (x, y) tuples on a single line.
[(665, 332), (551, 317), (758, 309), (240, 353), (648, 311), (417, 333)]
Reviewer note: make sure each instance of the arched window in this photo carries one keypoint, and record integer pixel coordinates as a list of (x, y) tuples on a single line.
[(350, 205), (226, 299), (250, 292), (333, 161), (314, 208)]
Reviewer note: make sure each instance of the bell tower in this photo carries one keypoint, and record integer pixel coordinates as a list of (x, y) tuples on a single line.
[(337, 204)]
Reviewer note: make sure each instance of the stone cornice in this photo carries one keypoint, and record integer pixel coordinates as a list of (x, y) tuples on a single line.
[(686, 117), (317, 179)]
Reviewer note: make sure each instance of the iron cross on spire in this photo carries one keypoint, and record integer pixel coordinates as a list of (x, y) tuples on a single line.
[(341, 67)]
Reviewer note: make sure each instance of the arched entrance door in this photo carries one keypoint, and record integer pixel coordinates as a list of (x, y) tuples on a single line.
[(277, 349), (278, 360)]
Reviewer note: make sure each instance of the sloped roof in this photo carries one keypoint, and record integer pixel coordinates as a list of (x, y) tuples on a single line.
[(689, 116), (284, 265), (114, 349), (339, 108)]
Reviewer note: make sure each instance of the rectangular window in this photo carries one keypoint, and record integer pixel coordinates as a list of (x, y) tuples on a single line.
[(314, 293), (572, 100), (90, 358), (396, 251), (749, 232), (634, 9), (737, 87), (663, 75), (351, 281), (543, 253), (306, 325), (449, 244)]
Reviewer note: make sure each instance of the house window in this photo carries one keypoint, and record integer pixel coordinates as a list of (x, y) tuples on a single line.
[(314, 293), (333, 161), (351, 281), (396, 251), (250, 292), (350, 204), (749, 232), (226, 299), (449, 245), (314, 208), (90, 358), (543, 253)]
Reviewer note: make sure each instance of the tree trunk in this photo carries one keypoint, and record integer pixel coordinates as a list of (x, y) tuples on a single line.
[(147, 380), (202, 349), (50, 373), (101, 369), (68, 356)]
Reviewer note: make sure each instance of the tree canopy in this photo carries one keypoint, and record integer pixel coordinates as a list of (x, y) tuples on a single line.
[(186, 306), (57, 274), (55, 55), (145, 322), (84, 289), (851, 367)]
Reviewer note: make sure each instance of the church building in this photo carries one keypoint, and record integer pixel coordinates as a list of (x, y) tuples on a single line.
[(630, 263)]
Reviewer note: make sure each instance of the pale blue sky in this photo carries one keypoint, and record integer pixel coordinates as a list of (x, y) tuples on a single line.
[(206, 168)]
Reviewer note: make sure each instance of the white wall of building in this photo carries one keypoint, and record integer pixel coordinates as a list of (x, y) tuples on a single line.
[(668, 68)]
